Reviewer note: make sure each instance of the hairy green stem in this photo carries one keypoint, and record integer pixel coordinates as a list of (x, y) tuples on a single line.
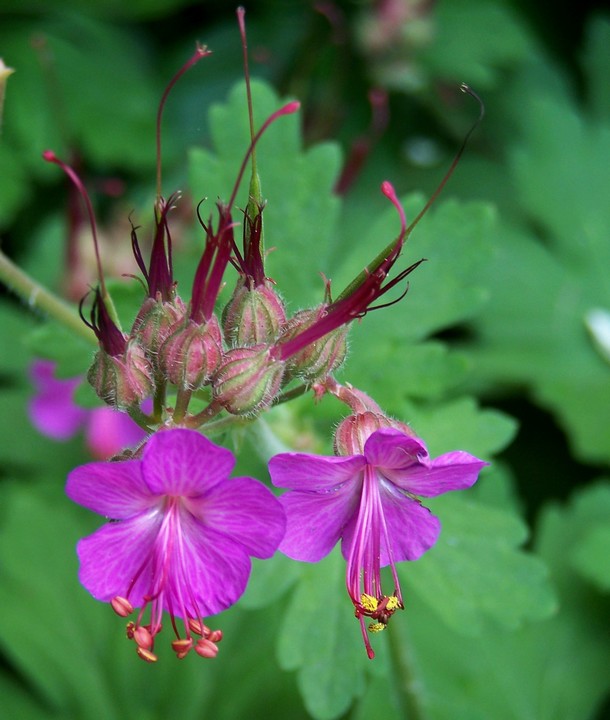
[(291, 394), (203, 417), (182, 402), (159, 397), (37, 297)]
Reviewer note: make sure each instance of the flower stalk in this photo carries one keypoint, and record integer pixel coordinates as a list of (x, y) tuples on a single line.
[(37, 297)]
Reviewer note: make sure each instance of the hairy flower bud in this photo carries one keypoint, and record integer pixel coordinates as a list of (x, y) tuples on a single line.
[(155, 321), (248, 379), (122, 380), (253, 316), (316, 360), (355, 430), (192, 353)]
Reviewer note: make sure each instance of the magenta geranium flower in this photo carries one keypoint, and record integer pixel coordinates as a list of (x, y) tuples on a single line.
[(182, 537), (369, 501)]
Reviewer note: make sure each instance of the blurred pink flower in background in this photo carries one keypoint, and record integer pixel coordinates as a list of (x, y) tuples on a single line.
[(54, 413)]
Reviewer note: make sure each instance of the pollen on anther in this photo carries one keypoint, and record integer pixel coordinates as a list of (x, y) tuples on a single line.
[(146, 655), (376, 627), (393, 603), (182, 647), (368, 602)]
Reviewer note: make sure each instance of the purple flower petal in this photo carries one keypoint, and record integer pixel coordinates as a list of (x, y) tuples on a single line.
[(114, 556), (316, 521), (216, 569), (453, 471), (244, 511), (389, 448), (412, 529), (53, 411), (313, 473), (116, 490), (184, 462)]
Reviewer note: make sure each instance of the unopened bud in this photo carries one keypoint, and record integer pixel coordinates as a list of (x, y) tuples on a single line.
[(122, 380), (192, 353), (355, 430), (155, 322), (253, 316), (247, 380)]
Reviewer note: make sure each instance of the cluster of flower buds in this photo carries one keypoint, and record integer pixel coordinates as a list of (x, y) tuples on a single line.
[(248, 353)]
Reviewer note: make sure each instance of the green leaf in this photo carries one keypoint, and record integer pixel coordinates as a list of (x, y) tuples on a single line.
[(451, 287), (15, 322), (591, 555), (52, 652), (26, 451), (301, 214), (597, 66), (591, 551), (320, 638), (72, 354), (102, 8), (461, 424), (13, 187), (394, 371), (122, 92), (17, 701), (269, 580), (550, 670), (476, 571), (535, 329), (462, 50)]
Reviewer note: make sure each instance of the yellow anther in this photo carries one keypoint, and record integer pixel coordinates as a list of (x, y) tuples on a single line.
[(393, 603), (368, 602), (376, 627)]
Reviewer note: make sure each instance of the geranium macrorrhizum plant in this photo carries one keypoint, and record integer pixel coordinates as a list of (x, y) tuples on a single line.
[(182, 531)]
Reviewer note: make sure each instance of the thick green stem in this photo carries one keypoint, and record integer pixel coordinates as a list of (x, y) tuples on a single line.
[(403, 677), (37, 297), (182, 402), (159, 397)]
